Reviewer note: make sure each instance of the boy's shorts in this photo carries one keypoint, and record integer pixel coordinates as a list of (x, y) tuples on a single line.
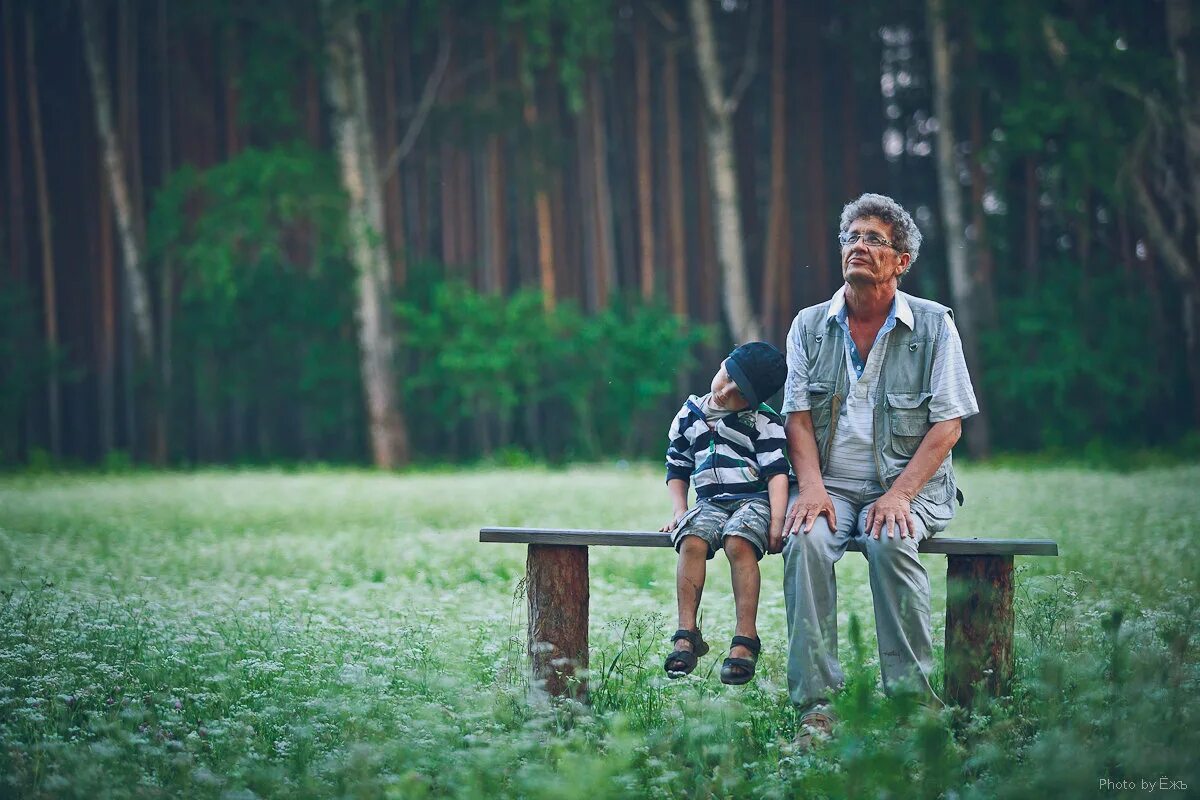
[(712, 521)]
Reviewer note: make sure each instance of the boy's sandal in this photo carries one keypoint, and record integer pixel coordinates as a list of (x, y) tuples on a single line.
[(736, 671), (682, 662)]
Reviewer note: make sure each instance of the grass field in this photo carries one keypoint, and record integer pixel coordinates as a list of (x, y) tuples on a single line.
[(316, 634)]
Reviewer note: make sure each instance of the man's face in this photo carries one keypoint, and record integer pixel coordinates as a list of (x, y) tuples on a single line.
[(872, 264)]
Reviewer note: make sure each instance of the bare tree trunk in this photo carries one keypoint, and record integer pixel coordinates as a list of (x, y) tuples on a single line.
[(393, 198), (602, 206), (127, 226), (676, 243), (778, 229), (496, 251), (16, 181), (1031, 237), (739, 314), (822, 263), (950, 195), (541, 200), (49, 288), (1181, 35), (709, 274), (108, 326), (346, 85), (167, 282), (984, 289), (643, 134)]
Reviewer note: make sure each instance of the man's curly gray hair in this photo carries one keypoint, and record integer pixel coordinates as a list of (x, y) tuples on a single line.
[(905, 233)]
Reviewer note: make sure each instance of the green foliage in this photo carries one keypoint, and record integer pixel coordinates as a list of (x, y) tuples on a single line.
[(477, 354), (1055, 381), (567, 33), (25, 360), (266, 289)]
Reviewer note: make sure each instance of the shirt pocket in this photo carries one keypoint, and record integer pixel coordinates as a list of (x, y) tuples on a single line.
[(908, 419)]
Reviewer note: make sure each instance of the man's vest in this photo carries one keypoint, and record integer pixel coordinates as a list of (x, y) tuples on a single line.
[(900, 416)]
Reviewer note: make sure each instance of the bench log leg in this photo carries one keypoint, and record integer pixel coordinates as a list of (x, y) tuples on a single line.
[(557, 587), (979, 626)]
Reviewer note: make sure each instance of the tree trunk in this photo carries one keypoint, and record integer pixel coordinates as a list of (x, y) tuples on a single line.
[(643, 134), (719, 134), (167, 281), (676, 244), (541, 200), (108, 327), (822, 262), (1181, 36), (45, 227), (706, 249), (1031, 237), (984, 288), (393, 198), (778, 229), (16, 159), (496, 240), (602, 207), (346, 86), (950, 195), (127, 225)]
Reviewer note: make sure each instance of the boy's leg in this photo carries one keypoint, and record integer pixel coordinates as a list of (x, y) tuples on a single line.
[(689, 583), (695, 540), (747, 581), (745, 542)]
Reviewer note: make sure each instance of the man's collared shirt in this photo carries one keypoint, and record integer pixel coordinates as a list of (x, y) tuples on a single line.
[(851, 454)]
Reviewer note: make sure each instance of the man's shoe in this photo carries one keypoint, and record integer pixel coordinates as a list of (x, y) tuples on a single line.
[(814, 730)]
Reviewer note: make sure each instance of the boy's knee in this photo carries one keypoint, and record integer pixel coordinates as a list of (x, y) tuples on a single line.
[(693, 546), (738, 548)]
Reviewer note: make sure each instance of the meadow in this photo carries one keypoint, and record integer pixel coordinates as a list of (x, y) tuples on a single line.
[(238, 634)]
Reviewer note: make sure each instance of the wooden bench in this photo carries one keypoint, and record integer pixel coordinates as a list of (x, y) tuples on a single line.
[(979, 603)]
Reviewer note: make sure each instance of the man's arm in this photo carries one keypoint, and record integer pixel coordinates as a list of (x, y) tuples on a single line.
[(813, 500), (893, 510)]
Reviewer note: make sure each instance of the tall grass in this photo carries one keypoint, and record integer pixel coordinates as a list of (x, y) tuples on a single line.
[(344, 634)]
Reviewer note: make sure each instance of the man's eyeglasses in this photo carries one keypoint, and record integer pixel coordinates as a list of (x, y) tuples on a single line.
[(870, 239)]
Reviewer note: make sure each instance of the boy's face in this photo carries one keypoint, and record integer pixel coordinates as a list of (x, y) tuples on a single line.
[(725, 393)]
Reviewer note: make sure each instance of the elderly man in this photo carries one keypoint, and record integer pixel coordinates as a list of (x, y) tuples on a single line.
[(876, 392)]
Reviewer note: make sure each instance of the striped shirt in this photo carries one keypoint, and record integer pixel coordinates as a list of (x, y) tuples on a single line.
[(727, 458), (851, 454)]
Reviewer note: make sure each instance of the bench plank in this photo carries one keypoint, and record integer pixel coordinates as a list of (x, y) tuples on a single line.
[(943, 545)]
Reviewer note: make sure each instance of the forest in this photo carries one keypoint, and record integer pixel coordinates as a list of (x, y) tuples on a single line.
[(395, 231)]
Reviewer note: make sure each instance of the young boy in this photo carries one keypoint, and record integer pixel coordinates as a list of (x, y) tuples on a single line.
[(731, 446)]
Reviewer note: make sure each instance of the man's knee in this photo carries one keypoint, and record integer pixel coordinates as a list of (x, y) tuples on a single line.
[(890, 549), (817, 543)]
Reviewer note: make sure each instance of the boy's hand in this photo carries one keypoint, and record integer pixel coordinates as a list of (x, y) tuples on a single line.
[(670, 526)]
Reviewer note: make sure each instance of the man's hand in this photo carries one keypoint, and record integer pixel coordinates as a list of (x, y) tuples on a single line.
[(810, 504), (680, 513), (892, 512)]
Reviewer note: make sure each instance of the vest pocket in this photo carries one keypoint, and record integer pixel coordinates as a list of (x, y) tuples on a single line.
[(908, 418), (820, 400)]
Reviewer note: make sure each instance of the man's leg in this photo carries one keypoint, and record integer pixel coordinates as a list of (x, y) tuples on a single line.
[(810, 594), (900, 594)]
